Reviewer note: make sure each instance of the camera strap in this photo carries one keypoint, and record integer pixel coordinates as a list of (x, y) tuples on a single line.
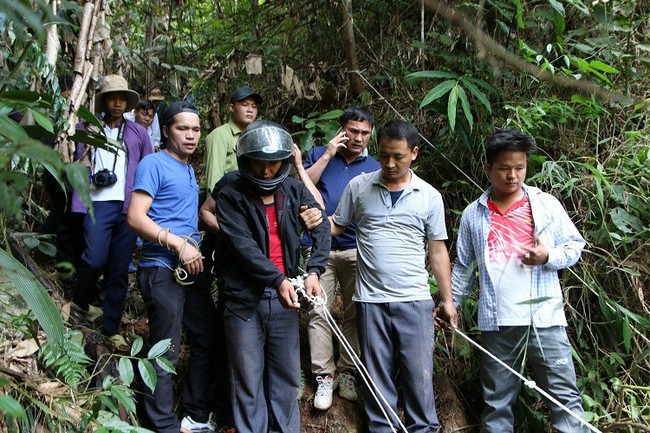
[(120, 141)]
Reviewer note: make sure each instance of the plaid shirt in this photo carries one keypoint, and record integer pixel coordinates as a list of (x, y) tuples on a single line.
[(553, 227)]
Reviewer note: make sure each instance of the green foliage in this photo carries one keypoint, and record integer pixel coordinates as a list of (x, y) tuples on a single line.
[(9, 407), (38, 242), (70, 362), (317, 126), (454, 89), (145, 366), (594, 155), (36, 298)]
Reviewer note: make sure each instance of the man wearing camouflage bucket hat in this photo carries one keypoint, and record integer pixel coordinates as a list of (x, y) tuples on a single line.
[(109, 241)]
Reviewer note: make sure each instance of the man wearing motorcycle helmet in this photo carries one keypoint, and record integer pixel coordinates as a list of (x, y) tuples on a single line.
[(259, 249)]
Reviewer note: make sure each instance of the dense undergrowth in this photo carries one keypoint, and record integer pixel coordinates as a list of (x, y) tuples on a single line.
[(593, 155)]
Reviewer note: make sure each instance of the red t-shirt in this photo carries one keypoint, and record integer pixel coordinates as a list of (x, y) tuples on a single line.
[(275, 243)]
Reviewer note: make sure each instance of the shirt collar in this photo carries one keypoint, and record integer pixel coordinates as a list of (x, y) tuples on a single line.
[(414, 184), (483, 199), (234, 129)]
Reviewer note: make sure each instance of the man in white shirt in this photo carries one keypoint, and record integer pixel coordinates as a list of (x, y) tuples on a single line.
[(109, 241)]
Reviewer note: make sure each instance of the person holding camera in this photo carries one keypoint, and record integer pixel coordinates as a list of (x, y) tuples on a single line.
[(109, 241)]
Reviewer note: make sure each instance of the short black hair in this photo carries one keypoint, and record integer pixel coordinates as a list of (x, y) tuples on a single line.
[(145, 104), (358, 114), (508, 140), (399, 130)]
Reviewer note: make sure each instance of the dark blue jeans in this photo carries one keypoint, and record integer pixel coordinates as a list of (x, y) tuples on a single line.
[(170, 306), (109, 244), (398, 337), (264, 355)]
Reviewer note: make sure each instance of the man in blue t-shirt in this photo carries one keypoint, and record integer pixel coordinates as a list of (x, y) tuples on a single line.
[(331, 168), (164, 212)]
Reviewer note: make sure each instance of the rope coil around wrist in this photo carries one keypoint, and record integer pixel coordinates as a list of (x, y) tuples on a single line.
[(180, 274)]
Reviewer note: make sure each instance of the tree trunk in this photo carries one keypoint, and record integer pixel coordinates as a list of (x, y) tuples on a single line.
[(350, 48), (52, 40)]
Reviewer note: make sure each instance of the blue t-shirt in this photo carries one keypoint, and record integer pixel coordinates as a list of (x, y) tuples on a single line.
[(333, 181), (175, 192)]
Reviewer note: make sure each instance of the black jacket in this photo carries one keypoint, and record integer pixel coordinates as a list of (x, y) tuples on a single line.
[(242, 261)]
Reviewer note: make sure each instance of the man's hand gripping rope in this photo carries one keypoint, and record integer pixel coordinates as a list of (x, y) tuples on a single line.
[(189, 255)]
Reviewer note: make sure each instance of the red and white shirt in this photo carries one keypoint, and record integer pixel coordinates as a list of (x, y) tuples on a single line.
[(510, 232)]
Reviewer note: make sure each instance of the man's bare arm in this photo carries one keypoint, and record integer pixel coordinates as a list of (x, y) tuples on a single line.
[(207, 214), (143, 225), (441, 270), (335, 228)]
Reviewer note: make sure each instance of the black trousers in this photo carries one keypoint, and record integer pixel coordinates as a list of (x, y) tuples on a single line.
[(171, 307), (221, 393)]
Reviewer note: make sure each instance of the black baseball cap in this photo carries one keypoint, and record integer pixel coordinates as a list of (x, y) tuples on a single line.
[(174, 108), (244, 92)]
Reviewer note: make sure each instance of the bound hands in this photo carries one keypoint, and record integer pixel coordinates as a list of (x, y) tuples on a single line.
[(191, 259), (288, 296)]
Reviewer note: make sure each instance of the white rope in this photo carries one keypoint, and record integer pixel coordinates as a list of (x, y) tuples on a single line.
[(529, 383), (318, 302)]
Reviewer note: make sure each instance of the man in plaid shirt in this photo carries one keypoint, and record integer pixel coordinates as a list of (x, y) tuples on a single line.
[(519, 238)]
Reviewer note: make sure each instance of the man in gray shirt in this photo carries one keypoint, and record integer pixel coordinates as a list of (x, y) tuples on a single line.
[(400, 223)]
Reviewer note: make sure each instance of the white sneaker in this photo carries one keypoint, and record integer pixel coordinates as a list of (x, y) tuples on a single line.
[(188, 425), (347, 386), (326, 386)]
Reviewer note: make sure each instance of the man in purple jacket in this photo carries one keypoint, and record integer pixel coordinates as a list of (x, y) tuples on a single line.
[(109, 241)]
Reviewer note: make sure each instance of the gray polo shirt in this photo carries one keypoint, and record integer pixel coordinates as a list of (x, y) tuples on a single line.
[(391, 239)]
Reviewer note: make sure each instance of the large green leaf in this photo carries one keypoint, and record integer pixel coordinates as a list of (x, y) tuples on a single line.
[(478, 94), (123, 397), (464, 103), (10, 407), (159, 348), (438, 91), (451, 107), (36, 297), (136, 347), (334, 114), (166, 365), (148, 374), (125, 368), (432, 74)]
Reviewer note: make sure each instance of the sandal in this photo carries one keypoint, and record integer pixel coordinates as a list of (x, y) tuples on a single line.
[(119, 343)]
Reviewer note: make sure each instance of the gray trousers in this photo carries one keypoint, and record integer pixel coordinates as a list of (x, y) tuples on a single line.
[(264, 363), (398, 337), (552, 368)]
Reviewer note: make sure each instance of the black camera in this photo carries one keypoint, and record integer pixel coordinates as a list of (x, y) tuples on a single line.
[(104, 178)]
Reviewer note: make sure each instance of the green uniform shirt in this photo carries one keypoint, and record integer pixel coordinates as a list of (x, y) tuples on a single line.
[(220, 154)]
